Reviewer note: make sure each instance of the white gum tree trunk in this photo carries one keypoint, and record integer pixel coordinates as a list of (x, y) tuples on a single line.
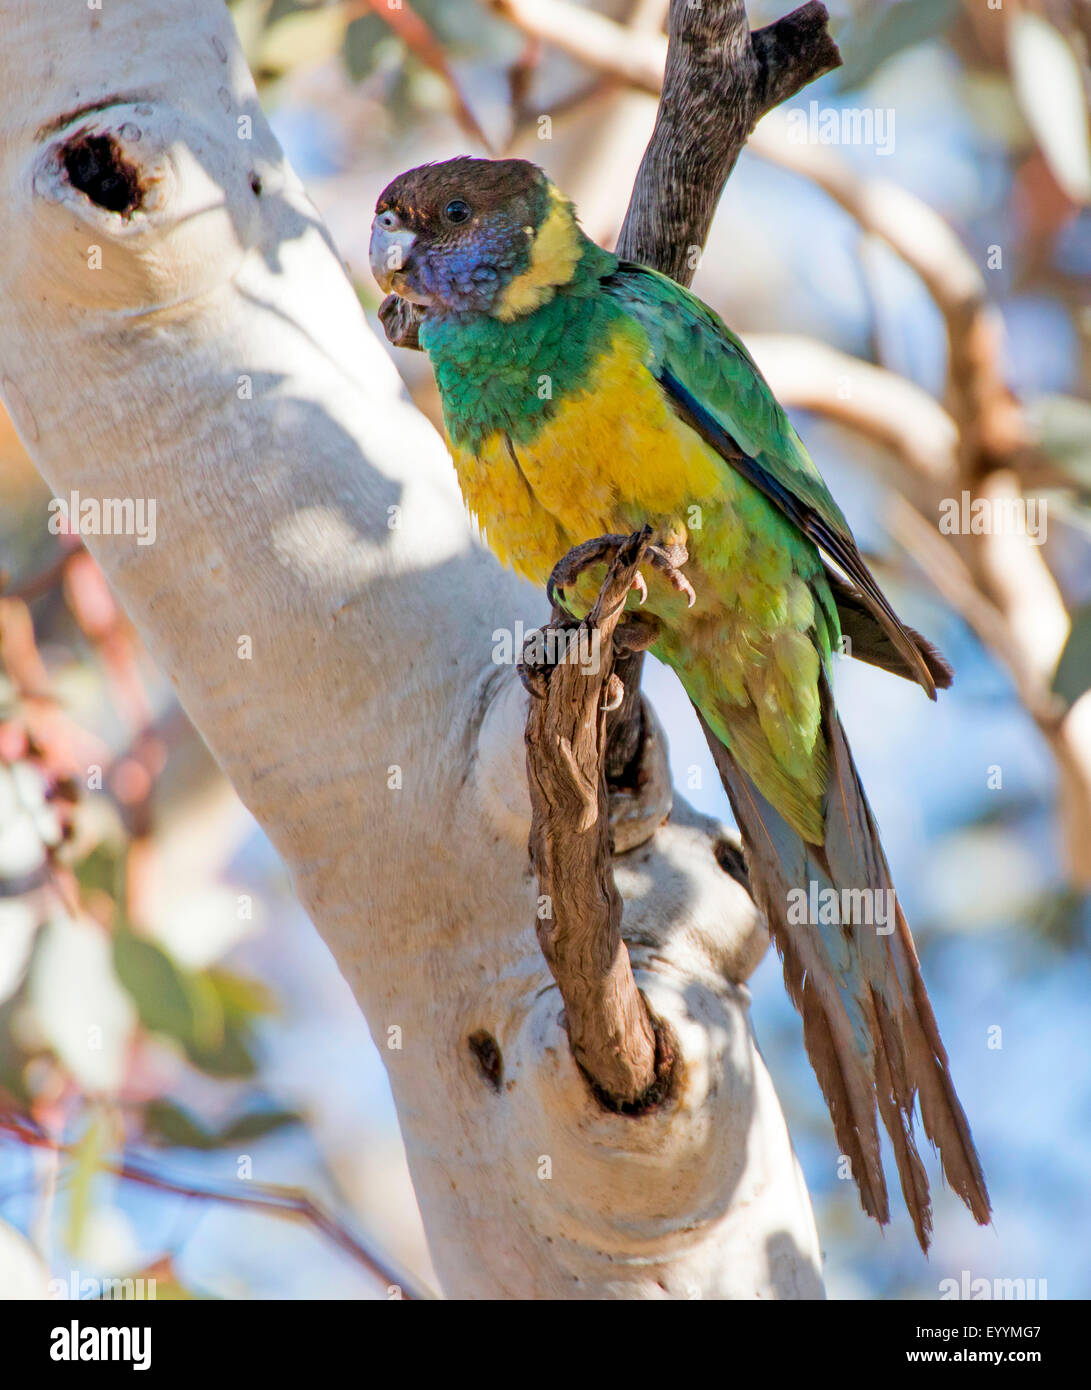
[(317, 597)]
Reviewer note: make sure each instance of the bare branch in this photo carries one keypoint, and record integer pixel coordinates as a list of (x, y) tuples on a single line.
[(954, 580), (719, 81), (716, 81), (790, 53), (896, 413), (631, 56), (579, 922), (988, 416)]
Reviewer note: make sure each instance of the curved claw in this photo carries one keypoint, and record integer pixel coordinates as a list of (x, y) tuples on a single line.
[(667, 560), (569, 567), (615, 694), (532, 681), (552, 590), (669, 567)]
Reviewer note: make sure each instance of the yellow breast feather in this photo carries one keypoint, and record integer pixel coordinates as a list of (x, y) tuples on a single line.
[(606, 459)]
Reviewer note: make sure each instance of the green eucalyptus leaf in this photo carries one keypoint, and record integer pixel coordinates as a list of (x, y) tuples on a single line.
[(165, 1122), (169, 999), (231, 1058)]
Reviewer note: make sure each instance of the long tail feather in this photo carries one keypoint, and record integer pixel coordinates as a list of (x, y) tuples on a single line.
[(868, 1025), (869, 640)]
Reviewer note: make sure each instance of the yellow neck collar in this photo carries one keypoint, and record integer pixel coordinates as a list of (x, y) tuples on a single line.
[(555, 252)]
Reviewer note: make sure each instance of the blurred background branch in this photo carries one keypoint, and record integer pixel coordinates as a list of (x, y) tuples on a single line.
[(280, 1202)]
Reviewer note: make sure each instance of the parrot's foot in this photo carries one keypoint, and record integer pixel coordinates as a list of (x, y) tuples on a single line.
[(401, 322), (668, 560)]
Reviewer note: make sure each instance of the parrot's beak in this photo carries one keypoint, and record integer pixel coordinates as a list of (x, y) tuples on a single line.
[(391, 246)]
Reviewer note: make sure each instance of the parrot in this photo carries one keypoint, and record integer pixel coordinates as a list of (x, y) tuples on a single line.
[(586, 397)]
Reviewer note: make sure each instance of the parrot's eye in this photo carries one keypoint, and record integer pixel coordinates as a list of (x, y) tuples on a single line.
[(456, 211)]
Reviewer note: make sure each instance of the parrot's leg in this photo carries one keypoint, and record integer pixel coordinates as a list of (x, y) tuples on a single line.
[(631, 633), (636, 632), (668, 560)]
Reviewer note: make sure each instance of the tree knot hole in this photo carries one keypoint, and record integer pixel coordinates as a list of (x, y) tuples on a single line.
[(96, 165), (486, 1051)]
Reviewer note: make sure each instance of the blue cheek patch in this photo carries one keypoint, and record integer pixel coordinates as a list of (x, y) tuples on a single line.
[(465, 278)]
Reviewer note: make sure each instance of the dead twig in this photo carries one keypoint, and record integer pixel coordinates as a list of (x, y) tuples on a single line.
[(718, 81), (579, 917)]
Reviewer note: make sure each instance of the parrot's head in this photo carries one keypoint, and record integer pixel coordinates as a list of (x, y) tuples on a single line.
[(475, 236)]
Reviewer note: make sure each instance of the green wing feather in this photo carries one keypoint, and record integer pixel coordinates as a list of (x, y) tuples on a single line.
[(715, 386)]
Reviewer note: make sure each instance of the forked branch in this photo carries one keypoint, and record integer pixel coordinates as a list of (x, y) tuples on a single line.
[(719, 80)]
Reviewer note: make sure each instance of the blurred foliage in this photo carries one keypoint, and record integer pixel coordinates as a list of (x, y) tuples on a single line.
[(280, 36), (88, 998), (176, 1127)]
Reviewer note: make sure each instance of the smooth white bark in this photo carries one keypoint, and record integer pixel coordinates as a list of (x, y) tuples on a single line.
[(320, 519)]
